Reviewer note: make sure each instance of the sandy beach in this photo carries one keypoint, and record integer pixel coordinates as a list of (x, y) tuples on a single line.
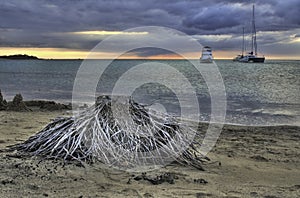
[(246, 162)]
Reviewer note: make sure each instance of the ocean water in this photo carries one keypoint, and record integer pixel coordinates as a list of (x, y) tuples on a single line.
[(257, 94)]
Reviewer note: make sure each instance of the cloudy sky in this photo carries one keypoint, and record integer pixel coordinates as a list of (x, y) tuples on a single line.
[(70, 29)]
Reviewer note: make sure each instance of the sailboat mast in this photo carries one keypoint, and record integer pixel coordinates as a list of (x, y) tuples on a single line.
[(252, 32), (243, 47), (253, 44)]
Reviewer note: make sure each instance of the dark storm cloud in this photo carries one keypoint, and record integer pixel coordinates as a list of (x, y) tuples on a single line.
[(147, 51), (41, 23)]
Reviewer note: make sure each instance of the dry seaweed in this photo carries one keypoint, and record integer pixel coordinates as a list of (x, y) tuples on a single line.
[(96, 134)]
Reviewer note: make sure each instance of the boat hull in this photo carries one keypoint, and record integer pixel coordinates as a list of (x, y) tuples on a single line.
[(257, 60), (251, 59), (209, 60)]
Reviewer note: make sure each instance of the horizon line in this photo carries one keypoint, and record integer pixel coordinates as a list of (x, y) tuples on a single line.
[(284, 59), (156, 57)]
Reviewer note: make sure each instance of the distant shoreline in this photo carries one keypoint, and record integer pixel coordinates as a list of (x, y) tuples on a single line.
[(19, 57)]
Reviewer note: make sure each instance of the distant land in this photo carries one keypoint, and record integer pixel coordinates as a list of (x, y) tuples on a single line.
[(20, 57)]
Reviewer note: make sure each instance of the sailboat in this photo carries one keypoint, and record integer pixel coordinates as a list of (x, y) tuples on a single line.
[(251, 57)]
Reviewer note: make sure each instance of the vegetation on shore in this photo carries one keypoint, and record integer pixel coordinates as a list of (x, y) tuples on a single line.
[(17, 104), (19, 57)]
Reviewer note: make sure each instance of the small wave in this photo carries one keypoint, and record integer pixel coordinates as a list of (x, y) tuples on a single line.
[(283, 112)]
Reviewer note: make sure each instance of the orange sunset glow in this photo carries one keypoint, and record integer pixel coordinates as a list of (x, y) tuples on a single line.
[(63, 53)]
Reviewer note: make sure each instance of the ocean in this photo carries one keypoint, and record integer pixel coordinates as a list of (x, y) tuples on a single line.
[(257, 94)]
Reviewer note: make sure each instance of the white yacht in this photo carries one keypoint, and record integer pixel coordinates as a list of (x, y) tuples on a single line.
[(206, 56)]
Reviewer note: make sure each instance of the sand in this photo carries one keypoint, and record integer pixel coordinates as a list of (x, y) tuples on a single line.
[(246, 162)]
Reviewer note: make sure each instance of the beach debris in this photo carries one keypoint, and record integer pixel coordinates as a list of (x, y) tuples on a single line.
[(48, 105), (203, 194), (259, 158), (94, 134), (159, 179), (17, 104), (148, 195), (200, 181), (3, 103)]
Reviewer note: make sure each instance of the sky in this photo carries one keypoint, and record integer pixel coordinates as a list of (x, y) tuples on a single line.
[(70, 29)]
